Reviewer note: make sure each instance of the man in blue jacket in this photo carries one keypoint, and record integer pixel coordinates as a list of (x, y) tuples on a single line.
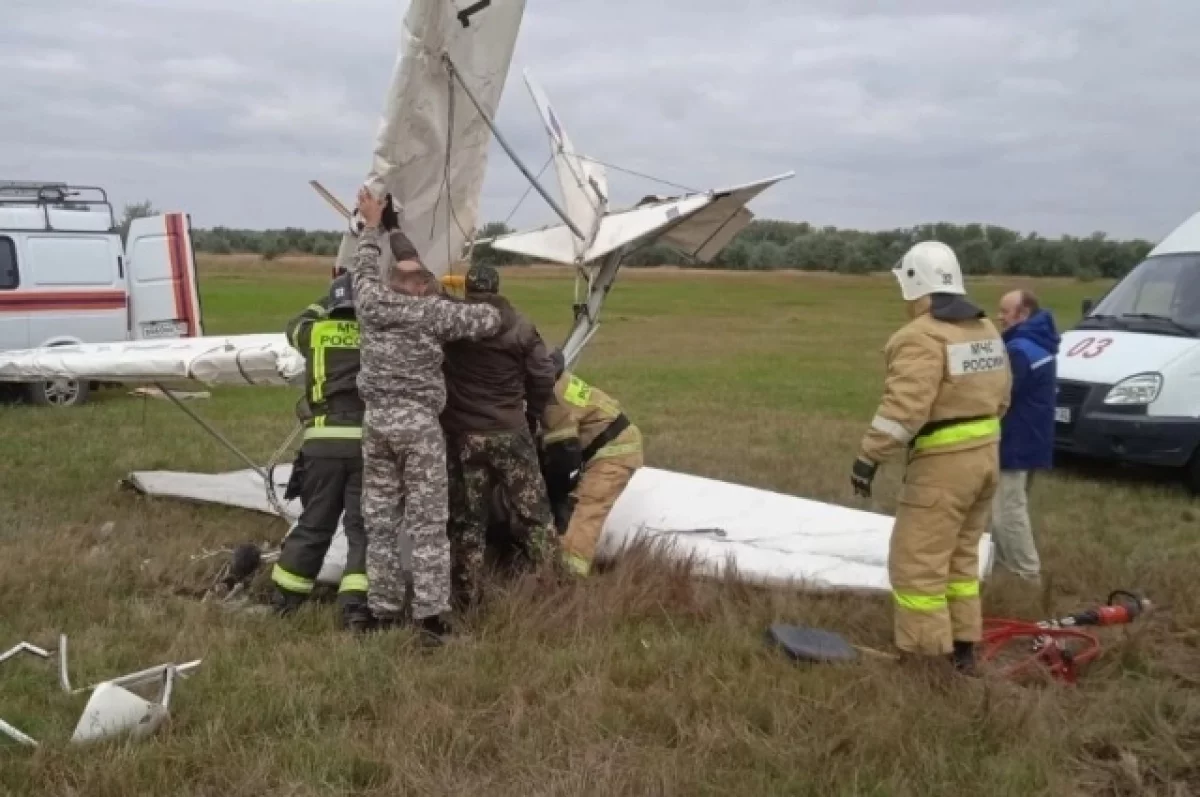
[(1027, 429)]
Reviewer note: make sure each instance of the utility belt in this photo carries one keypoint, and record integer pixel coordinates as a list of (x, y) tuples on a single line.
[(610, 433), (952, 431)]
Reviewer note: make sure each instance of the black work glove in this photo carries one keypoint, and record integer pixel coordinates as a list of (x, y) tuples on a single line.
[(295, 484), (563, 460), (562, 514), (861, 476), (390, 220)]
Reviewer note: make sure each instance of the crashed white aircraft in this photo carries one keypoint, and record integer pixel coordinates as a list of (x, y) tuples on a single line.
[(430, 154), (596, 240)]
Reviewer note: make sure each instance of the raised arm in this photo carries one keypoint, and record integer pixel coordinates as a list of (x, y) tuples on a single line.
[(458, 320)]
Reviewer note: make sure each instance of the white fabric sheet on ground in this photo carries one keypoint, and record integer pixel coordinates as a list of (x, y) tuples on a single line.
[(214, 360), (769, 538)]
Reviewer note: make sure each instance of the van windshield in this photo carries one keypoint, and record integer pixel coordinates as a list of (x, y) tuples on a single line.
[(1160, 296)]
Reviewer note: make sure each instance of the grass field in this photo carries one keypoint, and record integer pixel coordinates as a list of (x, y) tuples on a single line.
[(638, 682)]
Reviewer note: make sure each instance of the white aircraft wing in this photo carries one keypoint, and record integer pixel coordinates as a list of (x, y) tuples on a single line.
[(719, 528), (230, 360), (432, 145), (699, 225)]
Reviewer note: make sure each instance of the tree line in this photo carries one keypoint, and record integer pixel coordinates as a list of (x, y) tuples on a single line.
[(767, 245)]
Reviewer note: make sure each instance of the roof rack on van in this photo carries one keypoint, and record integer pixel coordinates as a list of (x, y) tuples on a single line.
[(64, 196)]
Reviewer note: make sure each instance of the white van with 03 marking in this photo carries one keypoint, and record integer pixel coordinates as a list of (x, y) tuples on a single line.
[(66, 278), (1129, 372)]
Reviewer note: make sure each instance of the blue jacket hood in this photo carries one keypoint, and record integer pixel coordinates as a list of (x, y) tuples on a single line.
[(1039, 329)]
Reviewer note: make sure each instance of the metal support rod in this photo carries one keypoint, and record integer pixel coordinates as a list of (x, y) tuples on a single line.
[(16, 735), (589, 321), (154, 673), (512, 155), (168, 687), (217, 435), (24, 647), (64, 679), (333, 201)]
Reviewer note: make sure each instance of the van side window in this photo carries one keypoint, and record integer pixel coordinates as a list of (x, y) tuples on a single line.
[(69, 260), (10, 277)]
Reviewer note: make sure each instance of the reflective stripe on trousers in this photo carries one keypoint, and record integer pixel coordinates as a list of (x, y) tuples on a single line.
[(353, 582), (290, 581), (955, 590)]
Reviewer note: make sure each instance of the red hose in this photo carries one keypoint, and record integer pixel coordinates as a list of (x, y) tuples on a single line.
[(1048, 648)]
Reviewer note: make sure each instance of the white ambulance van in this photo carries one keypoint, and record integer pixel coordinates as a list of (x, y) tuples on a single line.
[(1129, 372), (66, 278)]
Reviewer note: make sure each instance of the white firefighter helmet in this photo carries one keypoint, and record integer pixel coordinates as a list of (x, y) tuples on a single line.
[(929, 267)]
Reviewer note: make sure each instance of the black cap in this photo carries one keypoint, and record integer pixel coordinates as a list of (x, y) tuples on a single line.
[(483, 279), (341, 293)]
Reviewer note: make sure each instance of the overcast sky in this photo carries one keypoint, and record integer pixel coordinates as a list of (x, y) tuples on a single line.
[(1050, 115)]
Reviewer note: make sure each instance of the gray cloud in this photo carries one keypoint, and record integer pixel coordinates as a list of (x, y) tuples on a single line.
[(1055, 116)]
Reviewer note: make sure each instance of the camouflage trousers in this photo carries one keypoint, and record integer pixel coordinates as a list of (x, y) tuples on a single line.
[(404, 494), (477, 463)]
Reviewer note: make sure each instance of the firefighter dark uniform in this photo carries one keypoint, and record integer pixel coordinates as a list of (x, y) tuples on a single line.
[(591, 452), (330, 460), (948, 384)]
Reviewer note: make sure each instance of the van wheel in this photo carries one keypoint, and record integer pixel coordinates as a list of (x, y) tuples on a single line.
[(1191, 475), (59, 393)]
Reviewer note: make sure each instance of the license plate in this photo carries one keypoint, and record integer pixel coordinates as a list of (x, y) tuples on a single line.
[(163, 329), (1062, 414)]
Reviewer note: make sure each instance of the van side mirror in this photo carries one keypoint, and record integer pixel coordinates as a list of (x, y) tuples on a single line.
[(1088, 304)]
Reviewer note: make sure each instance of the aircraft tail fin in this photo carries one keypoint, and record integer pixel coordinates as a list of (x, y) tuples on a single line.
[(583, 182)]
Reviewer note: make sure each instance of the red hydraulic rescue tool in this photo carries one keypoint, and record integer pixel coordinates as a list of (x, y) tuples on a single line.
[(1048, 638)]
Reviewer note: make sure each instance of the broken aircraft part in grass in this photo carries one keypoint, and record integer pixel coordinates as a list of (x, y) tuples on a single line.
[(112, 710)]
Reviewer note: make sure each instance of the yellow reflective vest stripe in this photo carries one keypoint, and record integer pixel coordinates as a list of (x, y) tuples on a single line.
[(958, 433), (319, 431)]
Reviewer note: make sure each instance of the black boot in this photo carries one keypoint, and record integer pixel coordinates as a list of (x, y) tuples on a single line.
[(285, 603), (963, 657), (432, 632), (354, 616)]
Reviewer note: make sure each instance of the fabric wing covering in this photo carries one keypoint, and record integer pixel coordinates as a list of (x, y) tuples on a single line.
[(216, 360), (725, 530), (432, 146)]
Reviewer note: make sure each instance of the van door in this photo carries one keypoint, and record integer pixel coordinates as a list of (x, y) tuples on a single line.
[(14, 317), (164, 291), (73, 288)]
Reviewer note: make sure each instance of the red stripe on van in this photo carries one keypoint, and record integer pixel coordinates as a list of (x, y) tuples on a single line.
[(178, 270), (46, 301)]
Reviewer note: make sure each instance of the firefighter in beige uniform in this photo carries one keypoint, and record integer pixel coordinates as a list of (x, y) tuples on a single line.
[(947, 386), (585, 431)]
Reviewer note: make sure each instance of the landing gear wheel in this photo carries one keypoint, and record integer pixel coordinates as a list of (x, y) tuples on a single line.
[(59, 393)]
